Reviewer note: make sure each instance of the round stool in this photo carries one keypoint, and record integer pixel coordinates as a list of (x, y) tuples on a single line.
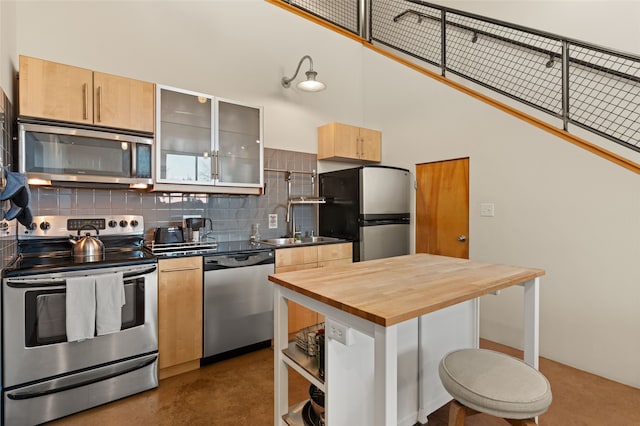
[(491, 382)]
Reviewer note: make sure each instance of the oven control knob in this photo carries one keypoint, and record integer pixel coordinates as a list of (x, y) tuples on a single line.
[(134, 223), (44, 226), (32, 226), (123, 223), (112, 223)]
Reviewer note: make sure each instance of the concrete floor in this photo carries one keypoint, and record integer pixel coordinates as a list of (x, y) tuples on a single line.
[(239, 391)]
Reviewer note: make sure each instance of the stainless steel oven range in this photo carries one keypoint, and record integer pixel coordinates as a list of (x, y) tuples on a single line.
[(47, 290)]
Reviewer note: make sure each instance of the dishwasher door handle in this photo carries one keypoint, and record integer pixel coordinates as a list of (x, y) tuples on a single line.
[(241, 260)]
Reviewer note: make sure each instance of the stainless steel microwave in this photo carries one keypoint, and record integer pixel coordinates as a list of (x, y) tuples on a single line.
[(66, 155)]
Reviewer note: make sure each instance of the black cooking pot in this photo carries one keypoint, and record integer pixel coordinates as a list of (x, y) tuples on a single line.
[(168, 235)]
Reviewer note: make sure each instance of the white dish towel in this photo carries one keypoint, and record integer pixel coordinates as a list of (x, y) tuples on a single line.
[(110, 299), (81, 308)]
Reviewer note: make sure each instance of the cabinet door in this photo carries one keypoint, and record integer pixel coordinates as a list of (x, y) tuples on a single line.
[(296, 256), (239, 145), (330, 252), (346, 141), (370, 145), (123, 103), (55, 91), (184, 137), (179, 311)]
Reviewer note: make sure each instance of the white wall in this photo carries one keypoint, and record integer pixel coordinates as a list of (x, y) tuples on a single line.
[(557, 207), (7, 46), (234, 49)]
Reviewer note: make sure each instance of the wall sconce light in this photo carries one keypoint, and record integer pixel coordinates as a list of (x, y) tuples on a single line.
[(308, 85)]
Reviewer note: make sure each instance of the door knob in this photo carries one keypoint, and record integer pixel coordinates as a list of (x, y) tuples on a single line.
[(462, 238)]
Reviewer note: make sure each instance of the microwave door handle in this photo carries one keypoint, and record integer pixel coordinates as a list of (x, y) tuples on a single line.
[(134, 161)]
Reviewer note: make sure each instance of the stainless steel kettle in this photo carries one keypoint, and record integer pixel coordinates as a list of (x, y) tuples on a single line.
[(87, 248)]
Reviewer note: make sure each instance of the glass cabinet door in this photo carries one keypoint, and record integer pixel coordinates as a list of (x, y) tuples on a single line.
[(239, 144), (184, 136)]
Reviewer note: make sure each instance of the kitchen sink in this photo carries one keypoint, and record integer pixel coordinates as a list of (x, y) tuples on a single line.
[(302, 241)]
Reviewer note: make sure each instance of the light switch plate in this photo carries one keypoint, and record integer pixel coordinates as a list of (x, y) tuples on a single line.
[(273, 221), (487, 209)]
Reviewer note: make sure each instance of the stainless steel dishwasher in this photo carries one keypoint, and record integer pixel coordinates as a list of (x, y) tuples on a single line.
[(238, 303)]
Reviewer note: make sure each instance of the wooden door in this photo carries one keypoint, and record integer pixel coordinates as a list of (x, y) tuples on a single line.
[(442, 208), (55, 91), (123, 102)]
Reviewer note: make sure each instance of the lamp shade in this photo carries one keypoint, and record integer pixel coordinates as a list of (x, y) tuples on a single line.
[(311, 84)]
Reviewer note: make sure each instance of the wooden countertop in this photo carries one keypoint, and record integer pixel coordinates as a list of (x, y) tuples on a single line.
[(392, 290)]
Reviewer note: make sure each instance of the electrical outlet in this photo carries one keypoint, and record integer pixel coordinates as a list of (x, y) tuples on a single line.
[(338, 332), (273, 221)]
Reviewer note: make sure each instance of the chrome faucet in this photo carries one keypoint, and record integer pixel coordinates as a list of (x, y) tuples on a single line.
[(290, 219)]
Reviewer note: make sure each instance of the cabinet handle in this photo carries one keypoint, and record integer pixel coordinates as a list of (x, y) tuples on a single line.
[(191, 268), (85, 96), (99, 103), (214, 169)]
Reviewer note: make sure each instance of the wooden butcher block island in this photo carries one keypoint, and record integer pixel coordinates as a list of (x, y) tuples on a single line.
[(415, 307), (392, 290)]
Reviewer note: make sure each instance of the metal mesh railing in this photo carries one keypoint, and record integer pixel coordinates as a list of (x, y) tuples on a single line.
[(516, 63), (604, 93), (416, 31), (343, 13), (594, 88)]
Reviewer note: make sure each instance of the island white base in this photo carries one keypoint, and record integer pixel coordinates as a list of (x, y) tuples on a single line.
[(349, 386), (350, 369)]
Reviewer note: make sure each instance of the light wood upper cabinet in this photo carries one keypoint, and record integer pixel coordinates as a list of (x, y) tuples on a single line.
[(343, 142), (179, 315), (123, 102), (309, 257), (62, 92)]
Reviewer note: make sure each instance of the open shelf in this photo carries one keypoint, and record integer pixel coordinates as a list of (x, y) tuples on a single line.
[(294, 416), (304, 364)]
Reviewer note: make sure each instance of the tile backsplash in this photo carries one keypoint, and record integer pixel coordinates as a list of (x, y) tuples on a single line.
[(7, 228), (231, 215)]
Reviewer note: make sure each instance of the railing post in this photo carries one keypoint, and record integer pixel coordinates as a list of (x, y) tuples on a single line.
[(365, 22), (443, 42), (565, 85)]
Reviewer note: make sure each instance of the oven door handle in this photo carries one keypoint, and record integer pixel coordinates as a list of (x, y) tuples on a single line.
[(46, 389), (37, 284), (135, 274), (61, 282)]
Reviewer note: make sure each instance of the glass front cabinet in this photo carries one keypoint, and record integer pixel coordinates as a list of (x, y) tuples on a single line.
[(207, 144)]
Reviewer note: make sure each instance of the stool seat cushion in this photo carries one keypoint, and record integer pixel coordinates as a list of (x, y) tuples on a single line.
[(495, 383)]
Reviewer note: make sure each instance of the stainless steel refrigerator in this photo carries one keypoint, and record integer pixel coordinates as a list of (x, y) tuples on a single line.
[(370, 206)]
